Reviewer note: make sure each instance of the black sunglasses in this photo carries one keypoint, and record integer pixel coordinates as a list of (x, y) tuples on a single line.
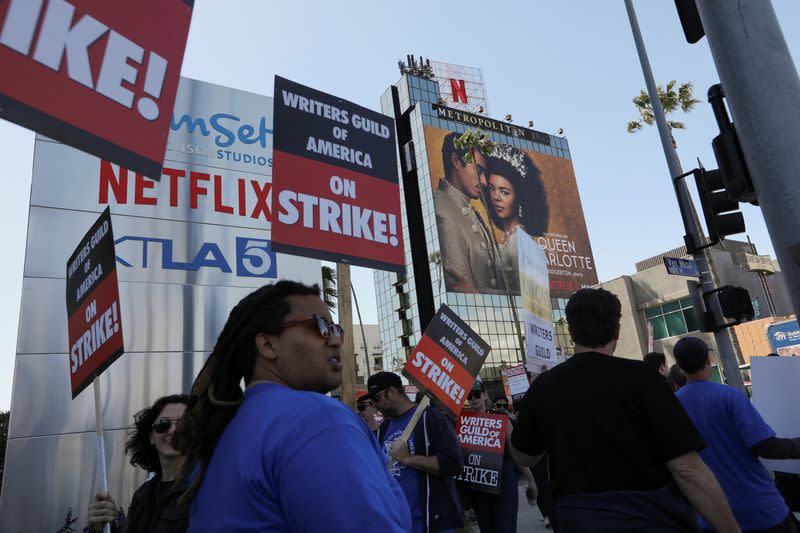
[(162, 425), (503, 406), (474, 394), (362, 406), (323, 325)]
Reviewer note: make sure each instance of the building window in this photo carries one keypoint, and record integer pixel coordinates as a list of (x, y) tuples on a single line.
[(672, 318)]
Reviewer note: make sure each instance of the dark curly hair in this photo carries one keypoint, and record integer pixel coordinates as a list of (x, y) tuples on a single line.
[(529, 190), (217, 393), (142, 453)]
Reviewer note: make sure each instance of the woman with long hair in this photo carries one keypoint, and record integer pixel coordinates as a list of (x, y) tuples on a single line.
[(154, 506), (275, 456), (516, 198)]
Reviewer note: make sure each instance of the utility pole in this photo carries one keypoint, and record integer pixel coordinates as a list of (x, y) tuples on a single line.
[(763, 91), (345, 313), (703, 258)]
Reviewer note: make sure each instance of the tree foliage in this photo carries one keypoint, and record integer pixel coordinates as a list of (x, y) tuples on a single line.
[(474, 140), (671, 100)]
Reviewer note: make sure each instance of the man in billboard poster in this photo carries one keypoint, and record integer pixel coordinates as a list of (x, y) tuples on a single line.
[(468, 259)]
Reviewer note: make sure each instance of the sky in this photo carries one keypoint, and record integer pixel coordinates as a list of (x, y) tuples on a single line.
[(570, 64)]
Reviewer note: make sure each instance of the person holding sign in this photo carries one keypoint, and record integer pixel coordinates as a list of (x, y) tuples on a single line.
[(425, 465), (275, 456), (154, 506), (497, 513), (623, 452)]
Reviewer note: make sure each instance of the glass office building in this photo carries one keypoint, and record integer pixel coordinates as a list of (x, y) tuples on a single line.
[(487, 312)]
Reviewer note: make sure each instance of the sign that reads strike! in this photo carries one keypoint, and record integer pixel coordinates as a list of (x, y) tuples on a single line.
[(99, 76), (93, 310), (482, 437), (335, 176), (447, 358)]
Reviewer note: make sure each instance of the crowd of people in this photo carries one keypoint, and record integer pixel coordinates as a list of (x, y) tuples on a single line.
[(258, 445)]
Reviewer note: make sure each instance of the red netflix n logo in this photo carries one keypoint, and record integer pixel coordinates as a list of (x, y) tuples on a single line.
[(459, 91)]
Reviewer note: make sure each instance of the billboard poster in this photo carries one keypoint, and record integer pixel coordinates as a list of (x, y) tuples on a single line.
[(335, 173), (517, 382), (524, 189), (482, 437), (447, 359), (93, 309), (784, 337), (99, 76), (540, 349)]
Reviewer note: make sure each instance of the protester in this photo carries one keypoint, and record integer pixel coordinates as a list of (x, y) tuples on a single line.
[(657, 362), (500, 404), (618, 440), (424, 466), (736, 436), (280, 455), (154, 506), (497, 513), (468, 258), (517, 200), (676, 377), (366, 410)]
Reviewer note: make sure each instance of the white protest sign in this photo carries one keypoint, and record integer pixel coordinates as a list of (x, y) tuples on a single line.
[(776, 395), (534, 283)]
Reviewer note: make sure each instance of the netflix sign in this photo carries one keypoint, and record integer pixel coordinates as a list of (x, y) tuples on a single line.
[(99, 76)]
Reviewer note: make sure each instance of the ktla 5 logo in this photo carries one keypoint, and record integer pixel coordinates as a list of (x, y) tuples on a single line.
[(253, 257)]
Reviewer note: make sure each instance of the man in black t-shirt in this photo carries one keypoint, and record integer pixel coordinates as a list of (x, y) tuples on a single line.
[(621, 447)]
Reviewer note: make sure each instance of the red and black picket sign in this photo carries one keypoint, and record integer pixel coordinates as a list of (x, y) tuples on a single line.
[(335, 185), (99, 76), (482, 437), (447, 359), (93, 308)]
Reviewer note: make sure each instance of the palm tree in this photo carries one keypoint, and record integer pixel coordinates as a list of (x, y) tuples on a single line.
[(671, 100), (329, 293)]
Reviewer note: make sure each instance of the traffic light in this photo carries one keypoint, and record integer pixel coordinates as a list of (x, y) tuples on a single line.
[(721, 212), (736, 303), (728, 152)]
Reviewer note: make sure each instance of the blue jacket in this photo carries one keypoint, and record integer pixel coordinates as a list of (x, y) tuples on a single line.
[(434, 433)]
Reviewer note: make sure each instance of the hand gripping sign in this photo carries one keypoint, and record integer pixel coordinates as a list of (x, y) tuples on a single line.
[(482, 437), (99, 76), (335, 180), (94, 315)]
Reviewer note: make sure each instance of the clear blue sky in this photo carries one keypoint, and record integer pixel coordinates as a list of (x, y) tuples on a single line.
[(569, 64)]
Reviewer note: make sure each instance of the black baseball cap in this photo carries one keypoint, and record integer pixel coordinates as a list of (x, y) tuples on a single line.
[(382, 381), (691, 353)]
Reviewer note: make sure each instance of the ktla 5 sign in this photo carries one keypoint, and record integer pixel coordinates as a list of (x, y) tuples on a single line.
[(100, 76)]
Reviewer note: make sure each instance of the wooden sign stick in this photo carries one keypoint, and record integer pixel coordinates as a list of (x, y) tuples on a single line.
[(423, 404)]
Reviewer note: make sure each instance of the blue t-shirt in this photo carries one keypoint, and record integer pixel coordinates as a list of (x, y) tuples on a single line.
[(731, 426), (407, 477), (297, 461)]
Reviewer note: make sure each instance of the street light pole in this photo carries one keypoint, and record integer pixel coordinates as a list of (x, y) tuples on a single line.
[(762, 88), (705, 263)]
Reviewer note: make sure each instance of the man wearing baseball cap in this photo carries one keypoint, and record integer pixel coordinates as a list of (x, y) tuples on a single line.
[(736, 436), (426, 465)]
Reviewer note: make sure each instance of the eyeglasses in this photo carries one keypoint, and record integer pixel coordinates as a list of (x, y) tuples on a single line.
[(377, 396), (362, 406), (162, 425), (324, 326), (503, 406), (474, 394)]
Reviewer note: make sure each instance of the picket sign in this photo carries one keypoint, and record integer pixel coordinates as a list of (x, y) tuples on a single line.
[(423, 404)]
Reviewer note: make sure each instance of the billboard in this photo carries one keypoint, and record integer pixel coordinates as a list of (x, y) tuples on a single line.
[(784, 337), (188, 247), (100, 76), (338, 193), (523, 189)]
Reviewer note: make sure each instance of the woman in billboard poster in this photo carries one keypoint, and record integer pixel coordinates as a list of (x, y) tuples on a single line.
[(516, 198)]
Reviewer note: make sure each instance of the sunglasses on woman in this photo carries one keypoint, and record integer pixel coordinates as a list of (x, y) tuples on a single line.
[(319, 323), (502, 406), (474, 394), (162, 425), (362, 406)]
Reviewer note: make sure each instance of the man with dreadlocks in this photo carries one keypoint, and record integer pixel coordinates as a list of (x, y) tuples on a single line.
[(280, 455)]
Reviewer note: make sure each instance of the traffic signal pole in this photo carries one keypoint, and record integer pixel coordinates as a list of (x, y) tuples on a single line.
[(762, 88), (705, 263)]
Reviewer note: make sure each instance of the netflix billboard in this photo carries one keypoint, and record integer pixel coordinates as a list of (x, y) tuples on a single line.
[(99, 76), (335, 176)]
